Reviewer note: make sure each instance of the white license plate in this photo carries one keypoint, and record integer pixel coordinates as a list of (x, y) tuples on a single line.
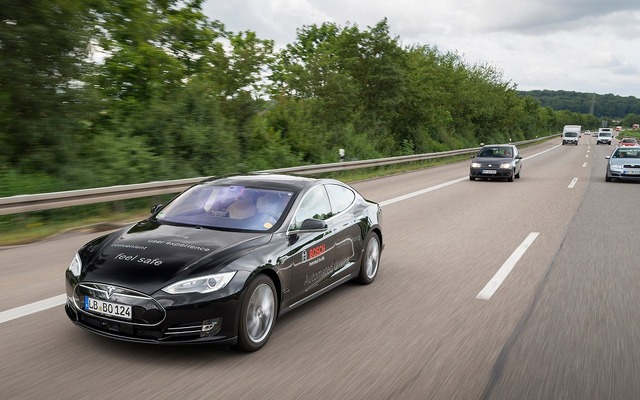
[(107, 308), (489, 171), (632, 172)]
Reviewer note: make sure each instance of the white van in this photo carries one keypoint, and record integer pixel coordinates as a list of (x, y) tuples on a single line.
[(571, 134), (604, 135)]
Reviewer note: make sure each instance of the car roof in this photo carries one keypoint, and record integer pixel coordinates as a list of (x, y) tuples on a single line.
[(264, 181), (271, 181), (499, 145)]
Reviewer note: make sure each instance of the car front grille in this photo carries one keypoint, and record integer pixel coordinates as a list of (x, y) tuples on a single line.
[(146, 311)]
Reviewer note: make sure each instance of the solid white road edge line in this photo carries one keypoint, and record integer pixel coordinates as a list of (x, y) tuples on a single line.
[(61, 299), (503, 272), (32, 308)]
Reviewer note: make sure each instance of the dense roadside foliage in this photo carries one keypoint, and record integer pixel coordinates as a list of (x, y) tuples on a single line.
[(96, 93), (607, 106)]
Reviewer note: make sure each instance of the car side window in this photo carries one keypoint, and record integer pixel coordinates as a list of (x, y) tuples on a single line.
[(340, 197), (315, 204)]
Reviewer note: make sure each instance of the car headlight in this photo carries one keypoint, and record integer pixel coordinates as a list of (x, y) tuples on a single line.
[(76, 265), (505, 165), (202, 284), (475, 165), (616, 167)]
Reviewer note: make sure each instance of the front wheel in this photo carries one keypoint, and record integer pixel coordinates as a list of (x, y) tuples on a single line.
[(257, 315), (370, 260), (510, 178)]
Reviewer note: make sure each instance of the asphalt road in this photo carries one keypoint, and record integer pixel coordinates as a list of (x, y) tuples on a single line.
[(563, 324)]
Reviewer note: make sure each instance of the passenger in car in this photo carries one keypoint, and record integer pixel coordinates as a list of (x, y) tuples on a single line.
[(271, 204), (242, 208)]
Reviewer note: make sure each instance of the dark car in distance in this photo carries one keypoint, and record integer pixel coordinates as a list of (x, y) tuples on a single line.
[(224, 259), (624, 164), (496, 161)]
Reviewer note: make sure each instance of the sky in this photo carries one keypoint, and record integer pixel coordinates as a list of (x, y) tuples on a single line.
[(588, 46)]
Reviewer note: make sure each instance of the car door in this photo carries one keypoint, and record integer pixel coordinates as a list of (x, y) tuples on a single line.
[(517, 158), (346, 225), (313, 247)]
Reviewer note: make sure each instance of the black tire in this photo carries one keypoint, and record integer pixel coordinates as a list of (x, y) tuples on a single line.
[(518, 175), (257, 314), (370, 262), (607, 178), (510, 178), (471, 178)]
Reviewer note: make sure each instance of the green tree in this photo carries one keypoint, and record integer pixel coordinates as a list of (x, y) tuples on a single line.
[(44, 45)]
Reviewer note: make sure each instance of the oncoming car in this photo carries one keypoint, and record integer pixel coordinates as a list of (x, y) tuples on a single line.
[(628, 142), (497, 161), (624, 164), (222, 260)]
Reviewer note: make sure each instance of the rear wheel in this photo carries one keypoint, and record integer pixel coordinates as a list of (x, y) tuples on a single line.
[(370, 260), (257, 315)]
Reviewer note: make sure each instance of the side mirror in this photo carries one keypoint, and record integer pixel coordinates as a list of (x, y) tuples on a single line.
[(607, 157), (310, 225), (155, 208), (313, 225)]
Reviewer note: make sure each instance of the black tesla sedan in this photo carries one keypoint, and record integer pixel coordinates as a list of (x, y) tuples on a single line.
[(222, 260)]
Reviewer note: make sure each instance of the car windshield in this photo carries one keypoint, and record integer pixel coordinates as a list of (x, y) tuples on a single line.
[(496, 152), (605, 133), (624, 153), (571, 134), (227, 207)]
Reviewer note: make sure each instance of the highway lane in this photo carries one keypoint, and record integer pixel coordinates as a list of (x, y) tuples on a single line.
[(418, 332), (579, 340)]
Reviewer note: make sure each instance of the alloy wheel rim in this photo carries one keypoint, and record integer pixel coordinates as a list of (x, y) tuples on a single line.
[(372, 258), (260, 313)]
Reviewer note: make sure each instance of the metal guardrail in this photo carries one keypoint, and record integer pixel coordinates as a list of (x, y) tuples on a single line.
[(46, 201)]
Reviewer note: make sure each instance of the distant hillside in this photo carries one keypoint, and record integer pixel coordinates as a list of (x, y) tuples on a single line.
[(600, 105)]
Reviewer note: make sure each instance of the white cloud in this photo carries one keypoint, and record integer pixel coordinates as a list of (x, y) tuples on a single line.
[(573, 45)]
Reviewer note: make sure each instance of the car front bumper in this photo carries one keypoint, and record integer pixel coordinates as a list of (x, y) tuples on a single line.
[(626, 174), (487, 174), (173, 320)]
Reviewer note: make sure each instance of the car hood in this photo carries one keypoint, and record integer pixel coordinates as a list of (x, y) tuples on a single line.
[(625, 161), (148, 256), (493, 161)]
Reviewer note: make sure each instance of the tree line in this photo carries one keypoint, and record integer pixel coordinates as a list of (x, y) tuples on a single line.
[(607, 107), (96, 93)]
